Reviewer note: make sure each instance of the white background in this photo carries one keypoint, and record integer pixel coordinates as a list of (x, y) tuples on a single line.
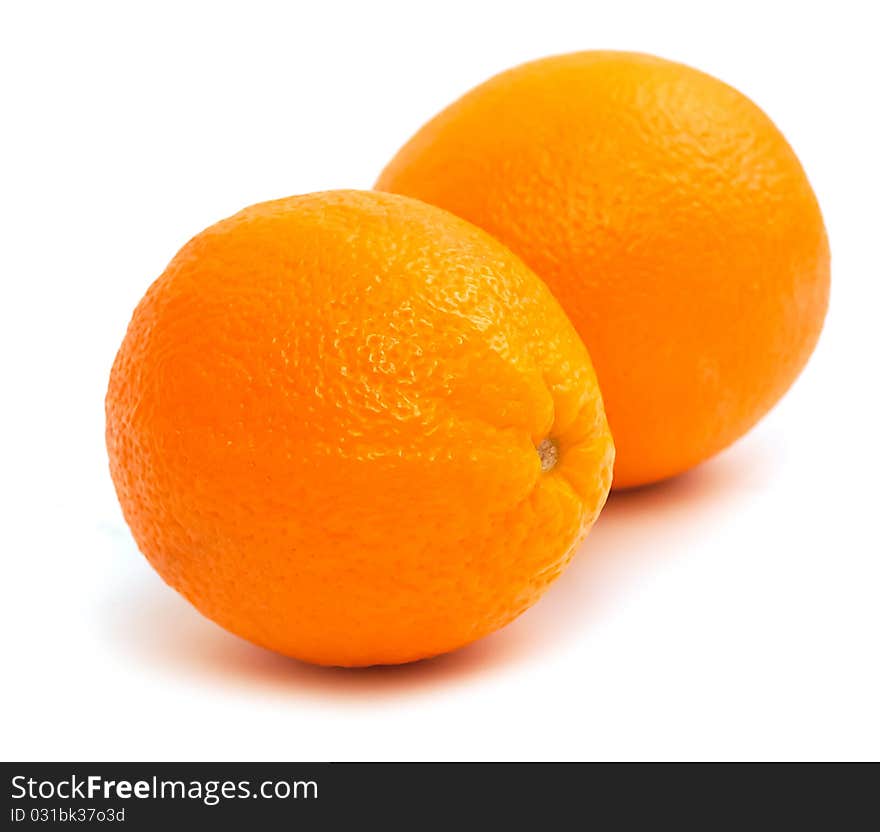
[(730, 613)]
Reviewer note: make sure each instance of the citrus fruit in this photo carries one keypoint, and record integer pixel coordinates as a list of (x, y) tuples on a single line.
[(355, 429), (670, 218)]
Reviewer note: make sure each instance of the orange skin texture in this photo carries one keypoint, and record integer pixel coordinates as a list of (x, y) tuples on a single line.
[(670, 218), (322, 427)]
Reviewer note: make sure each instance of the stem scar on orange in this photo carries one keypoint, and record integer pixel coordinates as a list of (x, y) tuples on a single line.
[(355, 429), (670, 218)]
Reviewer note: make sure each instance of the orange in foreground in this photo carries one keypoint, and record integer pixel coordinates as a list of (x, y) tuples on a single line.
[(670, 218), (355, 429)]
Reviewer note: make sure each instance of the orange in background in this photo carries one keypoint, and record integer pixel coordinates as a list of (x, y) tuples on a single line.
[(670, 218)]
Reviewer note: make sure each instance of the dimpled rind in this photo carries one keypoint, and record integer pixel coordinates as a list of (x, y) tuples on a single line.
[(323, 426), (670, 218)]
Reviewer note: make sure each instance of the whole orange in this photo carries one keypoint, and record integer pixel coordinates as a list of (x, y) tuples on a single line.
[(670, 218), (355, 429)]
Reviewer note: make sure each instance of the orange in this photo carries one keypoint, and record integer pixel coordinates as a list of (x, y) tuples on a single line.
[(669, 217), (355, 429)]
